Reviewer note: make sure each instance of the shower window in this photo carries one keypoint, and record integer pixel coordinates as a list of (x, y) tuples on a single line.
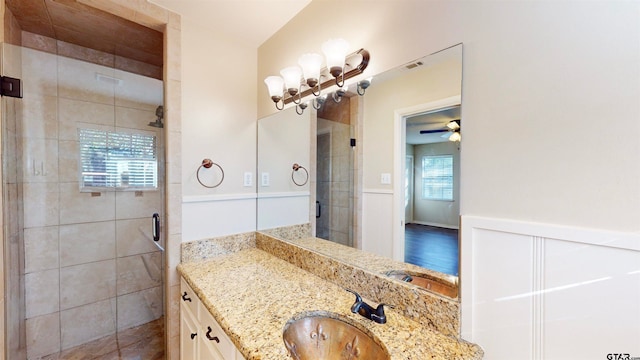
[(117, 161)]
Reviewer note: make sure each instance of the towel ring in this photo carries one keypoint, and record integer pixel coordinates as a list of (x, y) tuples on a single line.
[(297, 167), (207, 163)]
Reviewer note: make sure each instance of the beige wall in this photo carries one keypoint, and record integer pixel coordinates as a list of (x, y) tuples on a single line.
[(219, 108), (421, 86), (219, 123), (541, 81)]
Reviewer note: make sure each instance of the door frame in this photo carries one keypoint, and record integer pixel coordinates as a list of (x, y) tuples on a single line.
[(411, 175), (399, 155)]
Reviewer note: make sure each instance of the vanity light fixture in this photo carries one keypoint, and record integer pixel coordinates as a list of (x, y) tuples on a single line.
[(311, 64), (363, 85), (309, 78), (338, 94), (318, 101), (291, 76), (336, 50)]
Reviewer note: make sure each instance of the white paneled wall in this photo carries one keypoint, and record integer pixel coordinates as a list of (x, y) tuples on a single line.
[(377, 231), (539, 291), (282, 209), (206, 216)]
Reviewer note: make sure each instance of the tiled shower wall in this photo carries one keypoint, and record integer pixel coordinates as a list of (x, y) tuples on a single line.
[(335, 188), (90, 266)]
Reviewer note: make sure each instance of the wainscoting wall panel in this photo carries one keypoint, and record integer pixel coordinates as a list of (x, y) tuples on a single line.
[(540, 291), (282, 209), (209, 216)]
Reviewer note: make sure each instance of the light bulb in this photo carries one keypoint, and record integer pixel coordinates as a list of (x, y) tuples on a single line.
[(292, 76), (335, 50)]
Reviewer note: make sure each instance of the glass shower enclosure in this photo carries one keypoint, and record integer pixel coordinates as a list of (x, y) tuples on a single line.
[(79, 262)]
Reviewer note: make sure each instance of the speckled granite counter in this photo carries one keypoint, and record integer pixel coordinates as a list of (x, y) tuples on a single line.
[(252, 294)]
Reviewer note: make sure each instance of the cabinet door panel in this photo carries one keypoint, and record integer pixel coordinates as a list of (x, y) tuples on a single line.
[(188, 334)]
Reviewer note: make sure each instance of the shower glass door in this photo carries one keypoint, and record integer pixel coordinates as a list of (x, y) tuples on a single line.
[(80, 261), (334, 182)]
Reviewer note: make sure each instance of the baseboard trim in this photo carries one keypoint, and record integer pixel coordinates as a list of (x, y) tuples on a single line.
[(446, 226)]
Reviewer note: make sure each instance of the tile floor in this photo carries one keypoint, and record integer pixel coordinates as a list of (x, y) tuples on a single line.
[(144, 342)]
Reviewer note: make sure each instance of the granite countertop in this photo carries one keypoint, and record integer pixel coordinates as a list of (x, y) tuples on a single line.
[(252, 294)]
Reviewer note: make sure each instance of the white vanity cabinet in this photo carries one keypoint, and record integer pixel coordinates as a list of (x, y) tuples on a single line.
[(201, 337)]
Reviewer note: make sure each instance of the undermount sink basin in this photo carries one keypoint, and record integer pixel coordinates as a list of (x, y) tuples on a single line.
[(321, 337), (427, 282)]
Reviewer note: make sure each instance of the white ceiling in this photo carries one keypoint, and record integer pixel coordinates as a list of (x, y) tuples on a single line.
[(254, 21), (436, 120)]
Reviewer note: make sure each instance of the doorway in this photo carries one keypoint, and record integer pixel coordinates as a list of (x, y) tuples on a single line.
[(418, 134)]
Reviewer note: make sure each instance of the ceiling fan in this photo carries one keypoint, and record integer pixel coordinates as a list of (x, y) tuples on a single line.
[(452, 130)]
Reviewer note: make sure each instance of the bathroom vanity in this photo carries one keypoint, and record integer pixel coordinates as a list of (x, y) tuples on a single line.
[(254, 287)]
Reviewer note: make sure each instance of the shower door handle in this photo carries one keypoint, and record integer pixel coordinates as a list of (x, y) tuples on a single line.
[(318, 209), (155, 227)]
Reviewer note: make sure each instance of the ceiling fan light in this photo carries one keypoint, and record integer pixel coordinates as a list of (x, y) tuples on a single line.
[(455, 137), (453, 125)]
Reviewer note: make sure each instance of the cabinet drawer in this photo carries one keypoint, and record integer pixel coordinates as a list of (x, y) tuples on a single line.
[(210, 326), (188, 297)]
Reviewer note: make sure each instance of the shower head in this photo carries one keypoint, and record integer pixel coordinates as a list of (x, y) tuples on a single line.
[(160, 114)]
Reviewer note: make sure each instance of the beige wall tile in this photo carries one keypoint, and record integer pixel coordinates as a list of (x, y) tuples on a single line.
[(39, 117), (139, 272), (87, 283), (85, 323), (68, 161), (139, 307), (40, 249), (134, 236), (173, 312), (173, 259), (43, 335), (85, 54), (173, 108), (40, 204), (81, 207), (88, 242), (76, 113), (138, 67), (138, 92), (40, 160), (39, 42), (79, 80), (42, 293), (38, 72), (129, 206), (12, 60), (130, 118)]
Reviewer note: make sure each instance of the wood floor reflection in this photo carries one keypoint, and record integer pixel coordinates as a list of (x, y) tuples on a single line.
[(432, 248), (144, 342)]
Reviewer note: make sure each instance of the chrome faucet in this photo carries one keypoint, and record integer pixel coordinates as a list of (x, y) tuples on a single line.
[(367, 310)]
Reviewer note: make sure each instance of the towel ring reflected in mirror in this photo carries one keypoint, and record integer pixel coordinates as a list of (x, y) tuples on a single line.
[(297, 167), (207, 164)]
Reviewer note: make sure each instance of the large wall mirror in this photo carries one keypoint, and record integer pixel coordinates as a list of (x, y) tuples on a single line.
[(396, 192)]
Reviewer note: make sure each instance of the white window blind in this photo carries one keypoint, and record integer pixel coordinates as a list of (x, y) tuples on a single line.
[(437, 177), (117, 160)]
